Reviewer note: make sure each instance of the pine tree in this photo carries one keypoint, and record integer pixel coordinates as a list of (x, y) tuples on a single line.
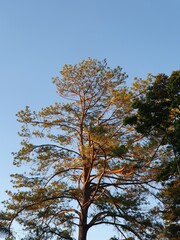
[(158, 117), (86, 167)]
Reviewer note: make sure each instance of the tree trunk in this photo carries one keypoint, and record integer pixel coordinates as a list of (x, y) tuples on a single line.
[(82, 232), (83, 226)]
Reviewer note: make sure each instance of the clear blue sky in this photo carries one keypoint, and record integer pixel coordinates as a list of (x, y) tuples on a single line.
[(37, 37)]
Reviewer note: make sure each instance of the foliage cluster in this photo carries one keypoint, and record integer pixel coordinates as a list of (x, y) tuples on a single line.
[(99, 156)]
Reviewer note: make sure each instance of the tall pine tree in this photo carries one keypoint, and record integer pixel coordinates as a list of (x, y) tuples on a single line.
[(86, 168)]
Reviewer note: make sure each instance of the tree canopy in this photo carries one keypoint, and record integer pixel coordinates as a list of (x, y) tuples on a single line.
[(158, 117), (87, 165)]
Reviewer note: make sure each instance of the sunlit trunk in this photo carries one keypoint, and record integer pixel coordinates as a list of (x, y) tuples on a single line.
[(85, 203)]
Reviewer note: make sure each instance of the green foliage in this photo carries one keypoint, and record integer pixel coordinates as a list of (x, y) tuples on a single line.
[(118, 151), (84, 167), (4, 227), (171, 199), (113, 238), (158, 118)]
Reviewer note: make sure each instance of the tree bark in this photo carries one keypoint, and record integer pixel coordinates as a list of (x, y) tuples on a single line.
[(83, 226), (82, 231)]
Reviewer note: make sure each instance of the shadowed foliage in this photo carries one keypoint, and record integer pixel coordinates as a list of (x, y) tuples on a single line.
[(158, 118)]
